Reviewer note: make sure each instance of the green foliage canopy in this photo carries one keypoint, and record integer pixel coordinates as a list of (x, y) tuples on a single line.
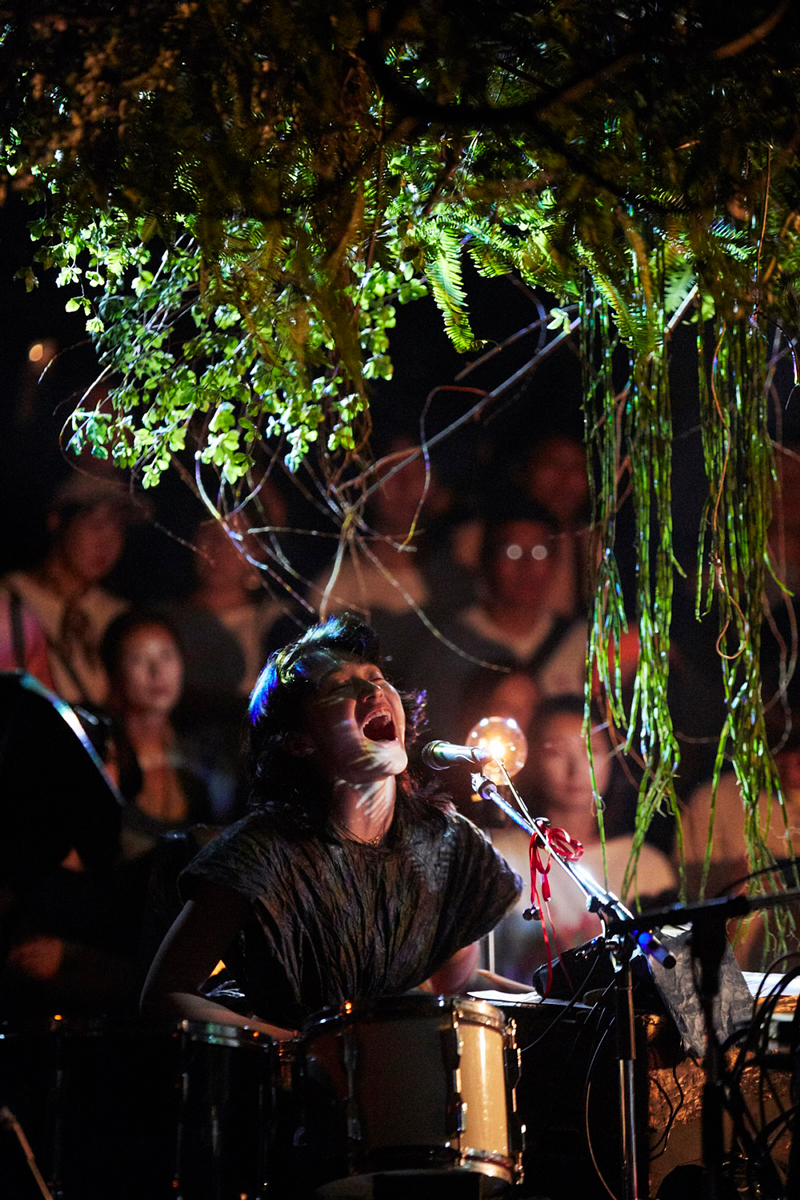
[(240, 195)]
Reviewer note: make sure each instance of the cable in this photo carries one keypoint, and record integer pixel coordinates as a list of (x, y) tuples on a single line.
[(587, 1130), (655, 1152), (570, 1005)]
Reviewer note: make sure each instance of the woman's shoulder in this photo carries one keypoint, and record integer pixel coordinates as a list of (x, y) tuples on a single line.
[(654, 872), (252, 831), (243, 856), (729, 815)]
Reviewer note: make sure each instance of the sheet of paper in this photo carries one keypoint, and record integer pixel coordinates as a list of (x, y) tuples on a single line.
[(495, 997)]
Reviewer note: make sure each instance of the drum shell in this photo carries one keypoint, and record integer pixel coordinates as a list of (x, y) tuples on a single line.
[(181, 1109), (415, 1084)]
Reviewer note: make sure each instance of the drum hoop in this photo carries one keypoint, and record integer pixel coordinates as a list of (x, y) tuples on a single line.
[(464, 1009), (377, 1159), (216, 1033), (118, 1027)]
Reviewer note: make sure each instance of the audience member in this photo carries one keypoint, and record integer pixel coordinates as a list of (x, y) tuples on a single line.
[(512, 695), (52, 617), (163, 789), (228, 613), (779, 635), (72, 940), (562, 791), (697, 691), (721, 818), (388, 568), (223, 626), (554, 475), (509, 625), (73, 935)]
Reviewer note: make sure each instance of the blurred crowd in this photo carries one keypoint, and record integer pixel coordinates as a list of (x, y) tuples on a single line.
[(481, 601)]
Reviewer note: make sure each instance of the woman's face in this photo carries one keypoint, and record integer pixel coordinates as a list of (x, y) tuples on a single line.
[(562, 765), (149, 675), (91, 543), (355, 724), (557, 477)]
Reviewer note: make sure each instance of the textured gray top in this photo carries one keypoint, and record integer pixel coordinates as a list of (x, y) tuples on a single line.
[(334, 920)]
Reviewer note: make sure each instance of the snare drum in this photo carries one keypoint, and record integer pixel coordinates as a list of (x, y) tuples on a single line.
[(184, 1110), (415, 1085)]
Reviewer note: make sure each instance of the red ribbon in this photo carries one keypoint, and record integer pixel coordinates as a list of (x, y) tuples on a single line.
[(558, 842)]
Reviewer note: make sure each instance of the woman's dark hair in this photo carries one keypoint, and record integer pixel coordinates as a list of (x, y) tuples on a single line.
[(121, 629), (565, 702), (287, 784)]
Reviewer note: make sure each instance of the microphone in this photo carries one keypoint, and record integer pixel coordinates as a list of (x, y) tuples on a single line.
[(444, 754)]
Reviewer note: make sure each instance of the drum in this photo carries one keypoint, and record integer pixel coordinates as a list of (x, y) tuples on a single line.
[(416, 1085), (183, 1110)]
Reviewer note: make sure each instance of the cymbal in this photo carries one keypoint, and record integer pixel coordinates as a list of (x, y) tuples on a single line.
[(55, 793)]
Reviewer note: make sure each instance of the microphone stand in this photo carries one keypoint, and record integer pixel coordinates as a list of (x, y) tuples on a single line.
[(621, 945)]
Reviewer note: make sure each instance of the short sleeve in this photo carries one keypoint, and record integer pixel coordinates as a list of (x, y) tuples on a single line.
[(480, 888), (235, 860)]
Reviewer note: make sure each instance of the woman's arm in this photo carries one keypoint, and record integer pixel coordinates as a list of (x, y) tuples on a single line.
[(199, 938), (452, 977)]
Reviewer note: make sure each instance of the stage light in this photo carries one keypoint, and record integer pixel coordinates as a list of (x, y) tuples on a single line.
[(506, 743)]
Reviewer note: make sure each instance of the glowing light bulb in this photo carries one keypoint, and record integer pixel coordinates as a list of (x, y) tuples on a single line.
[(506, 743)]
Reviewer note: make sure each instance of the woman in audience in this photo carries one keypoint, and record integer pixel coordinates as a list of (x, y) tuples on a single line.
[(73, 938), (53, 616), (720, 814), (563, 791), (555, 474), (144, 664)]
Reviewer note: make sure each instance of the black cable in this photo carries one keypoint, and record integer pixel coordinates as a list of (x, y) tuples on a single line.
[(655, 1152), (570, 1005), (587, 1129)]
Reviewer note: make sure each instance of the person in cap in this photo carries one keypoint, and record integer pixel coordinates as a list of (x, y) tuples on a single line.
[(53, 616)]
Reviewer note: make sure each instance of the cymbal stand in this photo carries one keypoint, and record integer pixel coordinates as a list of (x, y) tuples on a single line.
[(10, 1122), (622, 944)]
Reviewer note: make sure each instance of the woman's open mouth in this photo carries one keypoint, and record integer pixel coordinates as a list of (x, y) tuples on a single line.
[(379, 727)]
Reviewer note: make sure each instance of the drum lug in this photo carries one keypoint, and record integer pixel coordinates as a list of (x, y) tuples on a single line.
[(456, 1109), (350, 1061), (456, 1115), (513, 1059), (513, 1071)]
